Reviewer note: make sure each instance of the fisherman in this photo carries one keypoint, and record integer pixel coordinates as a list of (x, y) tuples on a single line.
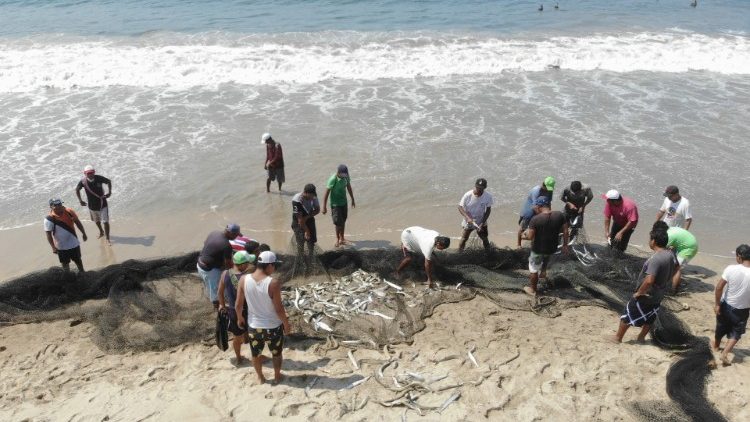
[(96, 199), (527, 212), (623, 214), (576, 198), (274, 161), (61, 234), (415, 240), (337, 186), (732, 303), (675, 210), (544, 232), (227, 294), (305, 207), (475, 206), (215, 257), (683, 244), (267, 321), (656, 276)]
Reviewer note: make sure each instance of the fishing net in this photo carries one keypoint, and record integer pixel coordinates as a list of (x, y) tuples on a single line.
[(351, 298)]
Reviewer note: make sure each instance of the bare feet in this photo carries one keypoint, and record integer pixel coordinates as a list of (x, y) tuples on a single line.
[(278, 379), (613, 339), (529, 290), (101, 234), (261, 380), (725, 359), (714, 346)]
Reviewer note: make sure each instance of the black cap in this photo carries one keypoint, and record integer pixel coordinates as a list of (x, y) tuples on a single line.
[(310, 188), (671, 190), (743, 251), (481, 183)]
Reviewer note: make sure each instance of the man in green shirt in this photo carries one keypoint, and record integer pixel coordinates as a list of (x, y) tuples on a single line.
[(684, 245), (336, 187)]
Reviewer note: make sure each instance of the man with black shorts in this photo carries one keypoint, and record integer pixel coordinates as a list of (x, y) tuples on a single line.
[(475, 206), (274, 161), (732, 303), (227, 294), (544, 232), (337, 186), (642, 308), (418, 240), (60, 226), (96, 199), (623, 213), (576, 198), (305, 207), (215, 257)]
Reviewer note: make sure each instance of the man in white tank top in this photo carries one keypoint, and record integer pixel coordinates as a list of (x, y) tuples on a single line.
[(267, 321)]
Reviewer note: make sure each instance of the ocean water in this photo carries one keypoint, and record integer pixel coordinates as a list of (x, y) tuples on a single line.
[(169, 98)]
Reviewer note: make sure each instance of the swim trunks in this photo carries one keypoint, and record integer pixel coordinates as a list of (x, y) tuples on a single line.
[(639, 312), (273, 336), (731, 322)]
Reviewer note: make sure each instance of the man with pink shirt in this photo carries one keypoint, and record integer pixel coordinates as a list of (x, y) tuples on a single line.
[(622, 213)]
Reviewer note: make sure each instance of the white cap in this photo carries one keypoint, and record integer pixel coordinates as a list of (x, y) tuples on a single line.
[(267, 257), (88, 168), (264, 137), (612, 194)]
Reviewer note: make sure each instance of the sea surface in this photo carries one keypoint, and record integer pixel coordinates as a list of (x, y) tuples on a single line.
[(419, 98)]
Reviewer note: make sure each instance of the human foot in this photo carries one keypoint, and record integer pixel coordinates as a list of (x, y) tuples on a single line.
[(529, 290)]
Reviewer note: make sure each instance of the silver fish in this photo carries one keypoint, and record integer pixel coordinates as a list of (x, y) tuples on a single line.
[(355, 364), (456, 394), (296, 299), (378, 314), (395, 286), (471, 357), (310, 386), (356, 383)]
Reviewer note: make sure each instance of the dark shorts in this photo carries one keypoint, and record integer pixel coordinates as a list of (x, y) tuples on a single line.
[(339, 215), (482, 232), (623, 244), (232, 323), (523, 222), (260, 336), (639, 312), (65, 256), (731, 322), (299, 233), (276, 174), (574, 217)]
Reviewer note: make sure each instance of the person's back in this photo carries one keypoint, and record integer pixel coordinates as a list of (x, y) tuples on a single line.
[(261, 312), (681, 240), (661, 265), (419, 239), (547, 227), (215, 248), (737, 292)]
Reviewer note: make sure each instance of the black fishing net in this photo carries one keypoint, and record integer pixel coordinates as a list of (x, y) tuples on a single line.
[(348, 297)]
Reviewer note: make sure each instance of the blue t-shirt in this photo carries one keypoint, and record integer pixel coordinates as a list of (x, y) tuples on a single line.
[(527, 211)]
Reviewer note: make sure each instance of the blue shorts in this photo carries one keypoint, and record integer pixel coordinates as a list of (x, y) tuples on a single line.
[(210, 281), (731, 322)]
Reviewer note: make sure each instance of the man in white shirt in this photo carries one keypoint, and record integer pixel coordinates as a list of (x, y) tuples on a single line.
[(675, 211), (475, 206), (732, 303), (418, 240)]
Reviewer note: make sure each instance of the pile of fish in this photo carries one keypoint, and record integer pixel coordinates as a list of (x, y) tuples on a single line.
[(355, 295)]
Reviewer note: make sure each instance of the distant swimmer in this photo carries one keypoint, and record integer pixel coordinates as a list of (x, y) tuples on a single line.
[(576, 198), (675, 210), (418, 240), (620, 219), (60, 226), (337, 186), (544, 232), (274, 161), (475, 207), (96, 198), (527, 212), (732, 303), (541, 8)]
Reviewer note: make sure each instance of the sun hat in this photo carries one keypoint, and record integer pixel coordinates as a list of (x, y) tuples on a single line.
[(55, 201), (481, 182), (89, 169), (234, 228), (267, 257), (242, 257), (265, 137), (612, 194)]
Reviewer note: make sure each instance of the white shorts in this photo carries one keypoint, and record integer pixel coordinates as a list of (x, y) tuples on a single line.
[(538, 262), (101, 216), (683, 260)]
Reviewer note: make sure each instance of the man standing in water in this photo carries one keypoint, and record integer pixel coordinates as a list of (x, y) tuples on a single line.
[(96, 198), (527, 212), (576, 198), (475, 206), (274, 161), (337, 186), (544, 232), (415, 240), (305, 207), (61, 234), (215, 257), (675, 210), (623, 214)]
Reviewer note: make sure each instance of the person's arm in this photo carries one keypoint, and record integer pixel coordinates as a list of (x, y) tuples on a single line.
[(351, 193), (78, 194), (239, 303), (688, 221), (564, 198), (718, 292), (662, 210), (325, 200), (109, 188), (274, 289), (80, 227), (487, 212), (465, 214), (529, 234), (222, 302), (606, 227), (648, 281), (589, 198), (51, 242), (316, 208), (618, 235), (566, 238), (659, 215)]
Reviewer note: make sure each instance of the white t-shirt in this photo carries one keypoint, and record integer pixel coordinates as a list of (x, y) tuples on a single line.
[(737, 291), (418, 239), (475, 206), (675, 213), (63, 239)]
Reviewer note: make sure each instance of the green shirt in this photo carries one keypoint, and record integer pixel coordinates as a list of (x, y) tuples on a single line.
[(338, 185), (682, 240)]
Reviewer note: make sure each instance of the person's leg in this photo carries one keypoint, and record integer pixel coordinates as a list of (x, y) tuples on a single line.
[(535, 266), (520, 232), (76, 258), (644, 330), (483, 234), (403, 264), (280, 177), (621, 330), (623, 244), (268, 185), (543, 270), (278, 359), (101, 230), (533, 281), (104, 214), (464, 237), (106, 231), (257, 344), (64, 259), (237, 345)]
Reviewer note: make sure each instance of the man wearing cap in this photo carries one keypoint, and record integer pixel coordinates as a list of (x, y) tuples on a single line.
[(337, 186), (96, 198), (305, 207), (621, 214), (227, 295), (61, 234), (475, 206), (215, 257), (576, 198), (527, 212), (675, 210), (544, 232), (274, 161), (416, 240), (732, 303)]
